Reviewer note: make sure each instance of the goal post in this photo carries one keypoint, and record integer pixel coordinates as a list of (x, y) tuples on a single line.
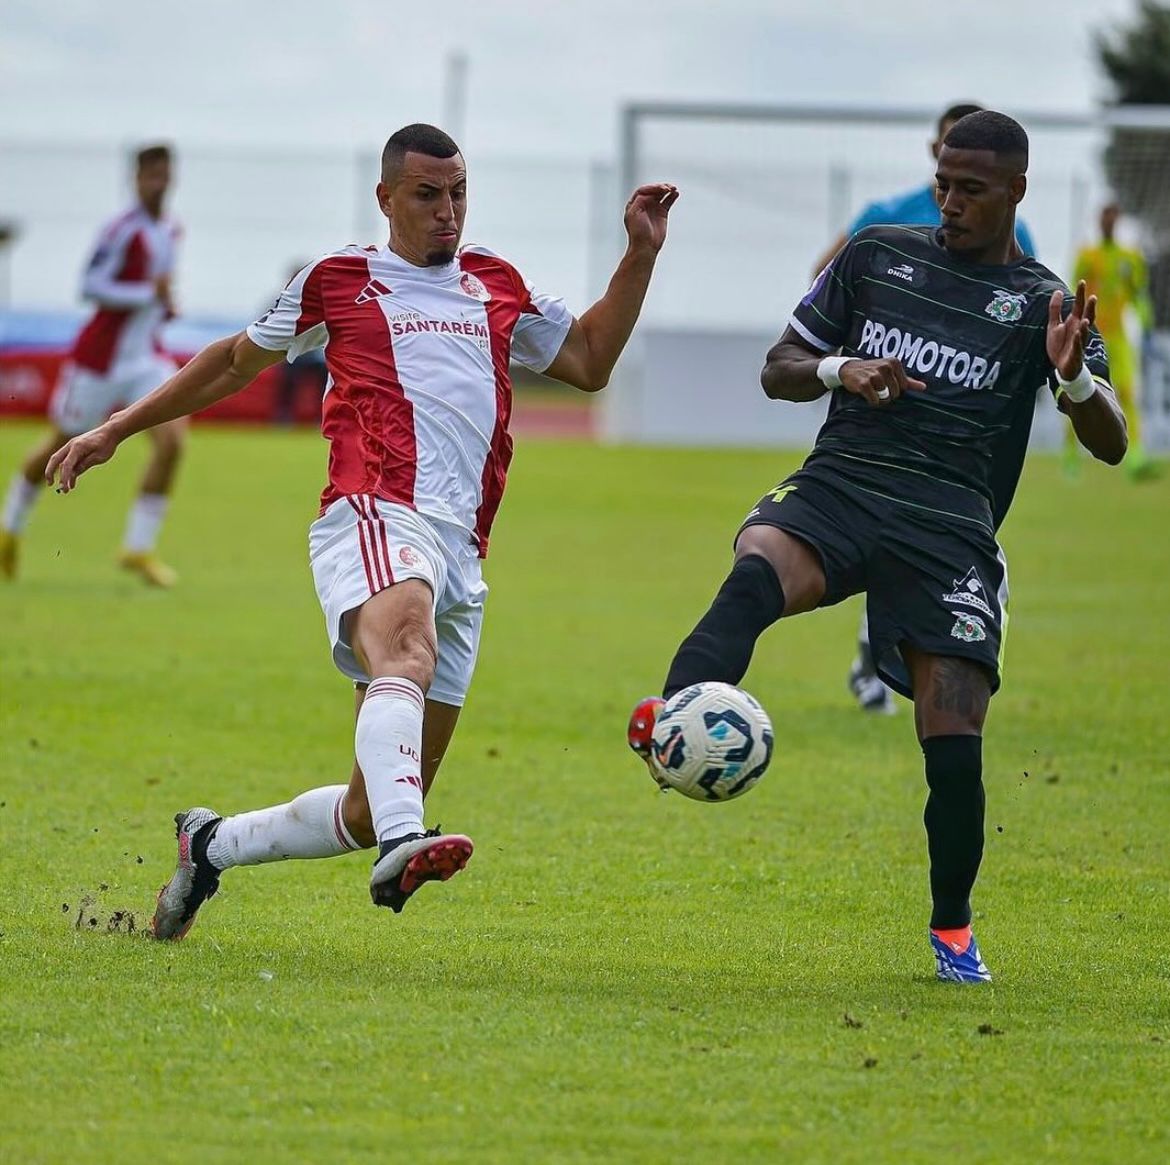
[(767, 188)]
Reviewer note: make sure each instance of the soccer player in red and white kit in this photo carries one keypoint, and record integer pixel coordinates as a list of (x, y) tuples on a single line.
[(418, 336), (117, 360)]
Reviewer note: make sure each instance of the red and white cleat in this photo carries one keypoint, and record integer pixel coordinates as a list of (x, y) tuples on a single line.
[(405, 863)]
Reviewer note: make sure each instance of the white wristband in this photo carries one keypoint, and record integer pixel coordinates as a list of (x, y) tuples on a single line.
[(829, 370), (1080, 388)]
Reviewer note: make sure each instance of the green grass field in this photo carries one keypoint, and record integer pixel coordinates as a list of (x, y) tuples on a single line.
[(619, 976)]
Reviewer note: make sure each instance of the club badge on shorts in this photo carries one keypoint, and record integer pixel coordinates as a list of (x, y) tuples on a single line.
[(968, 628)]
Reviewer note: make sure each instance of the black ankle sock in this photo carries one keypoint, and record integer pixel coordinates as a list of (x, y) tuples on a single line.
[(954, 825), (720, 647)]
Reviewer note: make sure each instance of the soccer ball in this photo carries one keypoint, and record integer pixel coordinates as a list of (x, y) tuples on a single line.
[(711, 741)]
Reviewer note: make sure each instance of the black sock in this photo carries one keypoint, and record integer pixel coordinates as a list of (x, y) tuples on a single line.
[(954, 825), (720, 647)]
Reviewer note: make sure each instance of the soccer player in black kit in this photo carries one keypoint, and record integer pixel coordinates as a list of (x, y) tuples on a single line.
[(933, 342)]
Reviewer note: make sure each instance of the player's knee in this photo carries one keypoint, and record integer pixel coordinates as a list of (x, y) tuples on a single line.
[(796, 565), (951, 696), (407, 648)]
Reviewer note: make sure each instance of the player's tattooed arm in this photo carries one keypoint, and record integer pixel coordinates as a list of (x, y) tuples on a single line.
[(791, 373), (1098, 420)]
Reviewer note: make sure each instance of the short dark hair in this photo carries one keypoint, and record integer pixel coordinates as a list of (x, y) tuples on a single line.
[(952, 113), (148, 155), (989, 130), (418, 138)]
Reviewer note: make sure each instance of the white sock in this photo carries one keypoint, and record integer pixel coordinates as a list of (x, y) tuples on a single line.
[(144, 521), (310, 826), (18, 504), (389, 745)]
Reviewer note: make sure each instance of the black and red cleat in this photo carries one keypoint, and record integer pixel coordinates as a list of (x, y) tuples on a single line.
[(642, 721)]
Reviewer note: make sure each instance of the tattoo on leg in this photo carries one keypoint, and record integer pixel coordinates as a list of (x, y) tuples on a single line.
[(960, 687)]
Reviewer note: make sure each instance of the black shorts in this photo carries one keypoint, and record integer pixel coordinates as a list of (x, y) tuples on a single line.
[(932, 572)]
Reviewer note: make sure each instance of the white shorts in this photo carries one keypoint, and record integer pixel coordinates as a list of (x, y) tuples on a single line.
[(83, 398), (362, 545)]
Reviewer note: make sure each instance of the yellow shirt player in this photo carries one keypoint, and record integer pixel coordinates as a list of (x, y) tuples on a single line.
[(1116, 275)]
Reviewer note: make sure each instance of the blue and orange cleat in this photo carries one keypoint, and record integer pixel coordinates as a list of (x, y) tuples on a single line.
[(641, 727), (957, 958)]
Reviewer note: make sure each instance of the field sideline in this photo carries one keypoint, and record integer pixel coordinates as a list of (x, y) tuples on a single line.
[(619, 976)]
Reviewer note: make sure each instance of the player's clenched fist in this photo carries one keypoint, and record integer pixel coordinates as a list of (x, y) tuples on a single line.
[(879, 381)]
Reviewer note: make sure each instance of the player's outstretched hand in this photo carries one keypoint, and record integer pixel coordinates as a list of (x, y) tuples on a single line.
[(78, 455), (1068, 337), (646, 213), (881, 382)]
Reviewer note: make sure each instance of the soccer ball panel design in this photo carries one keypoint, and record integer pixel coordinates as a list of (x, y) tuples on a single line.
[(711, 741)]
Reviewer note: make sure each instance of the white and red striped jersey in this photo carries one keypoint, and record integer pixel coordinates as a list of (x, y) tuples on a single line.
[(419, 396), (131, 251)]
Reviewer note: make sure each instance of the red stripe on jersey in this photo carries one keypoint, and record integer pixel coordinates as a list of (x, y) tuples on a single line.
[(97, 342), (509, 299), (365, 415)]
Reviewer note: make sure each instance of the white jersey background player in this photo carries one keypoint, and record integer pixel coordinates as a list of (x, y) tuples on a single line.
[(419, 335), (116, 360)]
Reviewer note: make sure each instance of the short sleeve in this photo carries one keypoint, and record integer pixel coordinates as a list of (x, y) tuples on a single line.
[(296, 321), (540, 330), (823, 316)]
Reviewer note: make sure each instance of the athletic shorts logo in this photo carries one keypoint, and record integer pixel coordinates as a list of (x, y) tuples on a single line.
[(1006, 307), (968, 628), (474, 287), (968, 592), (408, 556)]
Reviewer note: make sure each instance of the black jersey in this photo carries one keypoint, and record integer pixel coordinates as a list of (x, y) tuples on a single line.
[(975, 334)]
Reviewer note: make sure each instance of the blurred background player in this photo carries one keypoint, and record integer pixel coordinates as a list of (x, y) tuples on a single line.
[(914, 208), (1116, 275), (116, 360)]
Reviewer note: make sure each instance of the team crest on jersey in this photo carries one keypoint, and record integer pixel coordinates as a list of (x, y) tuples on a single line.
[(968, 591), (1006, 307), (968, 628), (474, 287)]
